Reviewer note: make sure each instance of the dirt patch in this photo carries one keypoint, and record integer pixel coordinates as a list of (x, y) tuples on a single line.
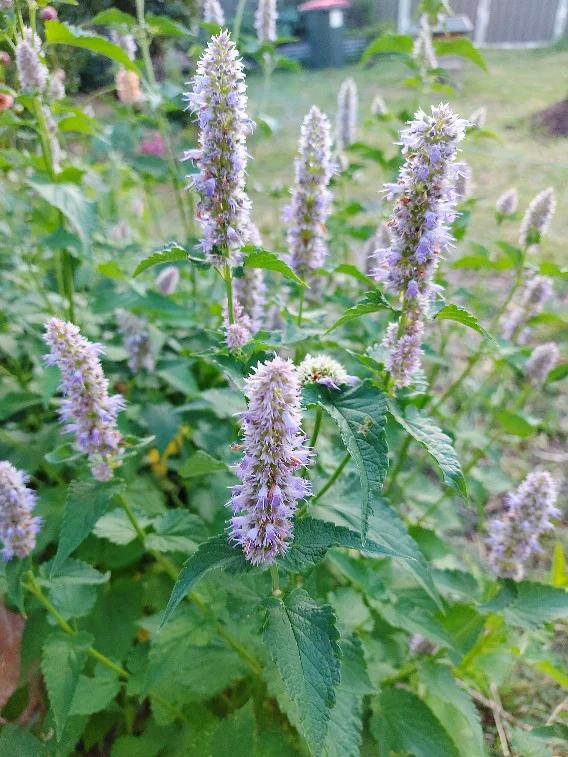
[(554, 120)]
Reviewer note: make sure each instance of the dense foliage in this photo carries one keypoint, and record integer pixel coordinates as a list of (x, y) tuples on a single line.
[(266, 490)]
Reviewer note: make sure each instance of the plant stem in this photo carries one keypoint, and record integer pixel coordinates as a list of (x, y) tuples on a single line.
[(317, 426), (238, 20), (227, 275), (144, 43), (333, 478), (275, 580), (301, 306), (132, 518)]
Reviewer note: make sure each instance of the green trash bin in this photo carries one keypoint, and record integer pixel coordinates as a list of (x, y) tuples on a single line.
[(325, 23)]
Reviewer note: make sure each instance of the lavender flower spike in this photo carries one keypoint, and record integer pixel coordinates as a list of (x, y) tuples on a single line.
[(323, 369), (213, 12), (423, 50), (537, 217), (32, 73), (515, 536), (219, 100), (425, 207), (264, 503), (265, 21), (168, 279), (542, 360), (529, 302), (346, 122), (378, 106), (87, 410), (136, 340), (311, 199), (250, 290), (18, 527), (507, 203), (239, 332)]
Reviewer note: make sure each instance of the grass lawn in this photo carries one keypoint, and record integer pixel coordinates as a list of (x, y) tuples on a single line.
[(519, 84)]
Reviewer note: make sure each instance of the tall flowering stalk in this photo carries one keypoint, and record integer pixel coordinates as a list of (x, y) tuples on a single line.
[(528, 302), (219, 101), (88, 411), (213, 12), (311, 198), (425, 207), (249, 297), (18, 527), (507, 203), (542, 360), (423, 50), (537, 217), (264, 503), (515, 536), (346, 120), (265, 21), (32, 72), (136, 340)]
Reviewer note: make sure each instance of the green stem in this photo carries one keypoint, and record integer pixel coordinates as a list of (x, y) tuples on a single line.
[(333, 478), (301, 306), (237, 23), (227, 275), (132, 518), (275, 580), (145, 44), (317, 426)]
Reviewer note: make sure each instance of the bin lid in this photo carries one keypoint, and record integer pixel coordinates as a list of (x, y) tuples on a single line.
[(323, 5)]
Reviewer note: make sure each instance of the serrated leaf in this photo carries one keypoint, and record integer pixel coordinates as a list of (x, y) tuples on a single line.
[(58, 33), (117, 528), (439, 445), (86, 502), (360, 414), (63, 657), (176, 531), (236, 734), (346, 720), (71, 201), (201, 463), (402, 723), (388, 43), (454, 709), (95, 693), (71, 573), (212, 555), (314, 537), (302, 639), (463, 316), (20, 742), (171, 253), (257, 257), (536, 604), (461, 46), (372, 302)]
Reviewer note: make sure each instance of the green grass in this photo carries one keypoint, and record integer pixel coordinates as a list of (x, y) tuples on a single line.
[(518, 85)]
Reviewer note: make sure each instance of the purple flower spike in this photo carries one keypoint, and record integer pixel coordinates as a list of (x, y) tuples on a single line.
[(542, 360), (219, 103), (18, 527), (311, 199), (537, 217), (87, 410), (263, 504), (136, 341), (515, 536), (419, 227), (323, 369)]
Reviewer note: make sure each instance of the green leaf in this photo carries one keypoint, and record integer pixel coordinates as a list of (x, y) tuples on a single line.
[(201, 464), (373, 302), (514, 424), (352, 270), (95, 693), (346, 721), (86, 502), (439, 445), (177, 531), (70, 200), (388, 43), (116, 527), (558, 571), (113, 17), (461, 315), (162, 26), (58, 33), (212, 555), (302, 639), (454, 709), (63, 657), (403, 724), (536, 604), (19, 742), (461, 46), (360, 414), (313, 538), (257, 257), (559, 373), (236, 735), (171, 253)]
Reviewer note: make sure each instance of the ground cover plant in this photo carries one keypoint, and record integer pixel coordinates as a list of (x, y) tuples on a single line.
[(282, 455)]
